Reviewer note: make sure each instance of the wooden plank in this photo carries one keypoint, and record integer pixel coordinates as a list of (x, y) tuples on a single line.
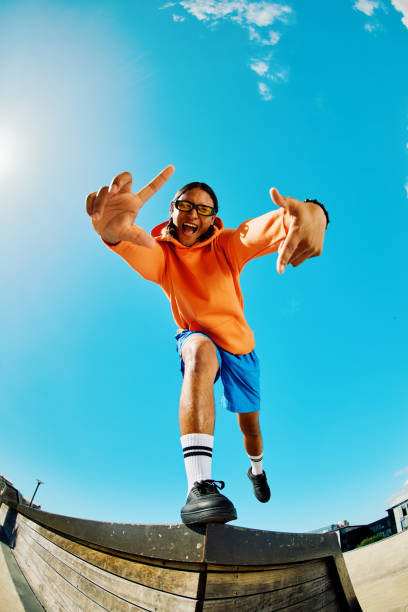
[(273, 600), (184, 583), (130, 591), (238, 545), (72, 590), (138, 581), (219, 584), (213, 543), (51, 589), (224, 584), (175, 541), (256, 568), (111, 592), (323, 602)]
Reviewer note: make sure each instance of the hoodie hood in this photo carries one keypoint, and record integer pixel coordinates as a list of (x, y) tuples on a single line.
[(160, 234)]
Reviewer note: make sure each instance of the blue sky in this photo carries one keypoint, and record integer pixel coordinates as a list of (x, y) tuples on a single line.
[(309, 97)]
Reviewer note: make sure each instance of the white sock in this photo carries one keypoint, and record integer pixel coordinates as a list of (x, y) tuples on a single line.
[(197, 450), (256, 464)]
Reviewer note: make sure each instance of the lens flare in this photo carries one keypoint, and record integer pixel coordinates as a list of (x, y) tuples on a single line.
[(9, 152)]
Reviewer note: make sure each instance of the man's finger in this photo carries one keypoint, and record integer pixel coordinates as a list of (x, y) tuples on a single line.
[(300, 256), (277, 198), (154, 185), (285, 253), (90, 198), (288, 204), (99, 203), (121, 182)]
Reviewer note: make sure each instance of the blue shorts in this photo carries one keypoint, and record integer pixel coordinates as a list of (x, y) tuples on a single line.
[(239, 375)]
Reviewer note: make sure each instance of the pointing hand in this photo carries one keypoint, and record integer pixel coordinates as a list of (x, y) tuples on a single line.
[(306, 231), (113, 209)]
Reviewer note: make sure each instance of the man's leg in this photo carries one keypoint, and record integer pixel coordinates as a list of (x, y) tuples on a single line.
[(197, 413), (197, 417), (249, 425)]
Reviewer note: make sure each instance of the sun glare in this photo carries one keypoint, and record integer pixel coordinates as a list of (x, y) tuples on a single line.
[(9, 152)]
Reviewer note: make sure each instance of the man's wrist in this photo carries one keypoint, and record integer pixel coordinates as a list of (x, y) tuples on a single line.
[(326, 214), (110, 243)]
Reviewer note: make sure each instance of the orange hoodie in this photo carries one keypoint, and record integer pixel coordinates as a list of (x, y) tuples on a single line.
[(202, 281)]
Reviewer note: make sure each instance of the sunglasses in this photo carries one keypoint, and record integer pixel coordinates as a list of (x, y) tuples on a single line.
[(186, 206)]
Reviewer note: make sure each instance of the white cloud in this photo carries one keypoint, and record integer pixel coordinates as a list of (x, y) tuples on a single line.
[(260, 14), (402, 7), (370, 27), (253, 34), (257, 13), (400, 496), (264, 13), (167, 5), (403, 471), (406, 186), (211, 9), (283, 75), (366, 6), (369, 6), (265, 92), (253, 17), (260, 67), (273, 39)]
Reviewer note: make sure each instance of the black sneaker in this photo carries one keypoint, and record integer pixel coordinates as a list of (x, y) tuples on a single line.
[(261, 487), (205, 504)]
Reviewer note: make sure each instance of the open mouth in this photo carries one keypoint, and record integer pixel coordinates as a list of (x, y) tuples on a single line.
[(189, 228)]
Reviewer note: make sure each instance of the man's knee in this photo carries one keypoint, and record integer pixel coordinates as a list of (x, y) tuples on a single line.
[(249, 423), (199, 354)]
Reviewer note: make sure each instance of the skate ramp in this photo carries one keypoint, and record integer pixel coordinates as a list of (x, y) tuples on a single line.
[(379, 573), (74, 564)]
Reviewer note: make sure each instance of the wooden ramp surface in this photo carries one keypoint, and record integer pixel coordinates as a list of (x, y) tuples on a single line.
[(74, 564)]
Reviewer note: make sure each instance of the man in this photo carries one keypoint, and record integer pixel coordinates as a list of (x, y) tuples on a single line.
[(197, 263)]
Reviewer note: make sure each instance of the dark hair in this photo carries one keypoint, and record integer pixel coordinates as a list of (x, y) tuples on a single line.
[(195, 185), (171, 228)]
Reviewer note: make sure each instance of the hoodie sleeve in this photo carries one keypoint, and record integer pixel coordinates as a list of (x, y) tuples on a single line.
[(256, 237), (148, 262)]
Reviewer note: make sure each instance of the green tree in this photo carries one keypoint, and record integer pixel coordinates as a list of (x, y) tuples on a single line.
[(371, 539)]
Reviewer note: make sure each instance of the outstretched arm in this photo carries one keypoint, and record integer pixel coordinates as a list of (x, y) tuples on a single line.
[(113, 211), (296, 230), (306, 231)]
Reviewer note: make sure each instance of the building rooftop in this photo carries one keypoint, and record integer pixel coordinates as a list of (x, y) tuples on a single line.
[(398, 498)]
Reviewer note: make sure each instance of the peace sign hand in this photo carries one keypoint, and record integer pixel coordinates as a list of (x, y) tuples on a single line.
[(114, 209)]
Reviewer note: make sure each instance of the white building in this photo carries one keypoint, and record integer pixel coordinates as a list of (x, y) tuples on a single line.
[(398, 508)]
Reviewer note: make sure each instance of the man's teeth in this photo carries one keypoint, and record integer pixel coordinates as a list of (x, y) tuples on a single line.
[(190, 228)]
